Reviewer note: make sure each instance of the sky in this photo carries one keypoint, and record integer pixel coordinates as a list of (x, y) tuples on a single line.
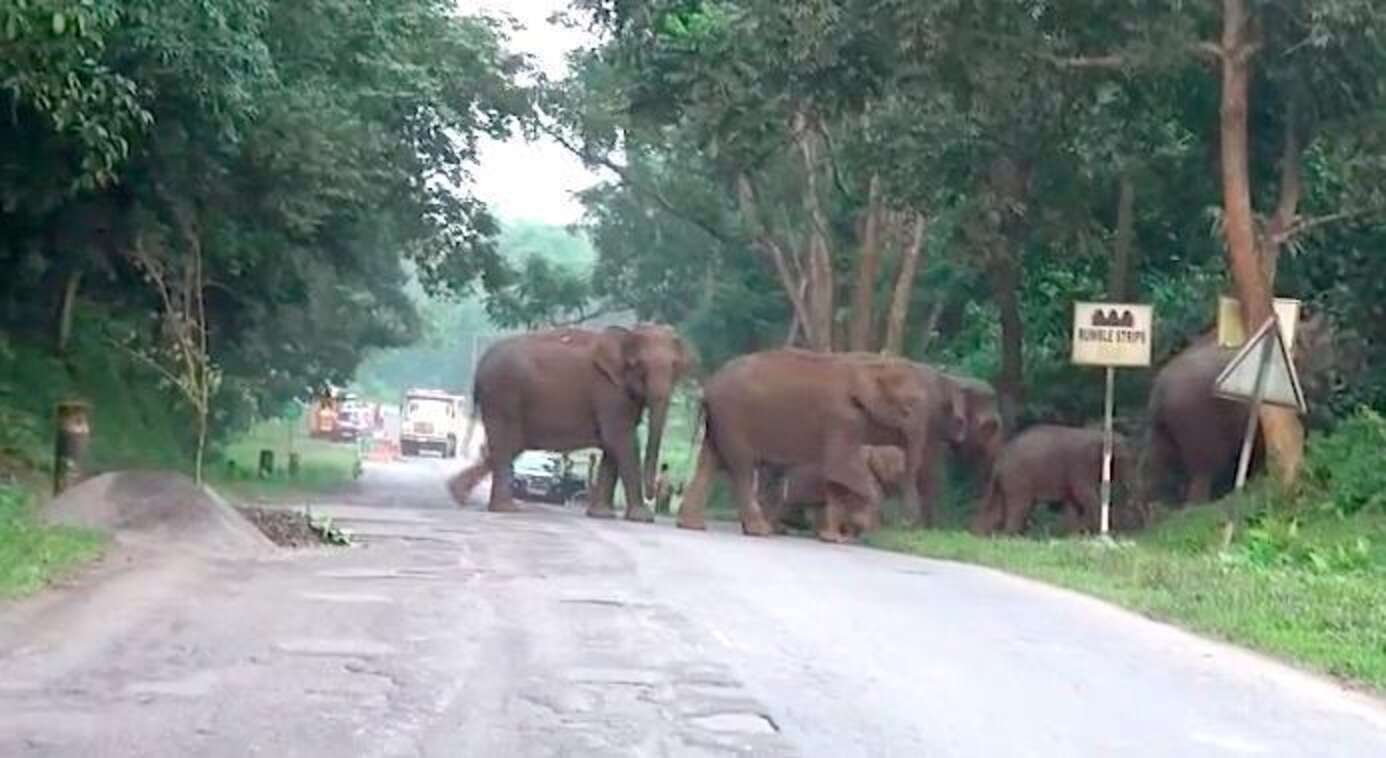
[(532, 180)]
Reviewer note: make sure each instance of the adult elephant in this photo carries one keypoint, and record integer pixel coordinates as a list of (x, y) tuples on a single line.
[(567, 389), (1194, 432), (1048, 464), (789, 407)]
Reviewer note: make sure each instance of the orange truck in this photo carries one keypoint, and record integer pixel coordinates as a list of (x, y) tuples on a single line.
[(336, 415)]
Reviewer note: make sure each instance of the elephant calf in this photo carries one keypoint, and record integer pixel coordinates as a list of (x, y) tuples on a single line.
[(1048, 464), (805, 487)]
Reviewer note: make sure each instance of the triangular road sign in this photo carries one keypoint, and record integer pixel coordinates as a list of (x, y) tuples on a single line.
[(1238, 380)]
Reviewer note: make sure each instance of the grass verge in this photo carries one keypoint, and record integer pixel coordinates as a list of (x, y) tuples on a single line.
[(31, 555), (323, 465), (1326, 611)]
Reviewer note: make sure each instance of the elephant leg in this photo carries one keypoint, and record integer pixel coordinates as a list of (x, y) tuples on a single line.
[(928, 485), (753, 521), (1072, 520), (462, 483), (992, 509), (1088, 504), (637, 510), (627, 455), (603, 490), (693, 504), (1018, 505), (501, 456), (1200, 487), (830, 524)]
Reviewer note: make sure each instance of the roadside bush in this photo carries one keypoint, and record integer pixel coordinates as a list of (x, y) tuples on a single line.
[(1344, 467)]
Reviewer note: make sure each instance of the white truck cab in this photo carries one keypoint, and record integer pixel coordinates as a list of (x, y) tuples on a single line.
[(431, 420)]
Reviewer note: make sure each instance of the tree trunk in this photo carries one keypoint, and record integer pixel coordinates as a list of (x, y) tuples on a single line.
[(904, 288), (931, 324), (794, 288), (795, 324), (820, 266), (863, 294), (1005, 284), (1119, 275), (66, 310), (1284, 435)]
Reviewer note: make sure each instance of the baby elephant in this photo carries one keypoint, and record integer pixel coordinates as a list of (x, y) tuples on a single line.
[(1048, 464), (803, 488)]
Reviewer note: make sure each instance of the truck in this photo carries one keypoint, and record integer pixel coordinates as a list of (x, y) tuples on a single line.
[(431, 420)]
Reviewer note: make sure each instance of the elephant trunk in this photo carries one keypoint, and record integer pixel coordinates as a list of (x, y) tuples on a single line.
[(659, 411)]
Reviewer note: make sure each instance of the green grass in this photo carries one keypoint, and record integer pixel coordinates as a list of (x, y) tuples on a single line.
[(323, 465), (32, 555), (1326, 613)]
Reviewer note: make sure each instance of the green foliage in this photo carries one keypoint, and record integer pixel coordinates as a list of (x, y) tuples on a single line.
[(1344, 466), (135, 421), (1011, 129), (309, 153)]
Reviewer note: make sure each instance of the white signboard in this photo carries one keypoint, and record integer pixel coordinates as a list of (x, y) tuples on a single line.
[(1231, 332), (1112, 334), (1238, 380)]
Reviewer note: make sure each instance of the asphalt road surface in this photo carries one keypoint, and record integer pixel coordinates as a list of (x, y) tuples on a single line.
[(461, 633)]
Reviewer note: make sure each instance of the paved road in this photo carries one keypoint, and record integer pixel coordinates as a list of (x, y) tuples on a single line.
[(462, 633)]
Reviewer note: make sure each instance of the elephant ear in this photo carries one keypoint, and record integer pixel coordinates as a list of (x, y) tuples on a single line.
[(882, 392), (887, 463), (611, 353)]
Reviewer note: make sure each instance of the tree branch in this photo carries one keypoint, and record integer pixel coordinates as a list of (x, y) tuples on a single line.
[(1207, 51), (762, 238), (624, 174), (1304, 225)]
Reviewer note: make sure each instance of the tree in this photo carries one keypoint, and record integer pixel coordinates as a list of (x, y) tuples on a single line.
[(303, 153)]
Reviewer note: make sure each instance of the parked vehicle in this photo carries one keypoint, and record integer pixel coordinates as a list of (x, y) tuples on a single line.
[(353, 420), (332, 415), (431, 420), (546, 477), (535, 476)]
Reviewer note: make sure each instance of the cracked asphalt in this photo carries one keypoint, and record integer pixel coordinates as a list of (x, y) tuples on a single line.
[(455, 632)]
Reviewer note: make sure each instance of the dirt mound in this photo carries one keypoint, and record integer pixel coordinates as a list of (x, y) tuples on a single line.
[(158, 509)]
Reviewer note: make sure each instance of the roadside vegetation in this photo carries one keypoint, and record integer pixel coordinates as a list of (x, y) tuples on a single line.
[(1304, 577), (323, 465), (32, 555)]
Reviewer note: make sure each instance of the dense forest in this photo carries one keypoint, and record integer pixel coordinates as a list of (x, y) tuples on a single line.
[(944, 179), (242, 199)]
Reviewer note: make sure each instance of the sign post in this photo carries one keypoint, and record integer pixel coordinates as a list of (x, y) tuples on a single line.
[(1111, 335), (1261, 372), (1231, 333)]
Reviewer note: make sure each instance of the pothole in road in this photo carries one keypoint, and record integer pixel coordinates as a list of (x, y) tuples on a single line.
[(741, 723)]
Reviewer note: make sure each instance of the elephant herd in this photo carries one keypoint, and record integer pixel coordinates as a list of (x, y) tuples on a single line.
[(841, 430)]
